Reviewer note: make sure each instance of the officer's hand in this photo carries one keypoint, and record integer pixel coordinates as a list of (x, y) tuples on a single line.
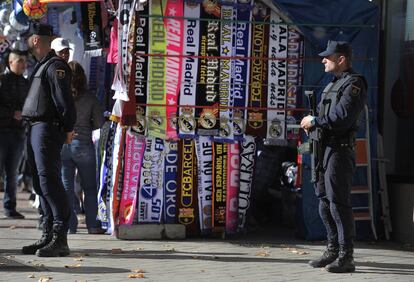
[(306, 123), (17, 115), (69, 137)]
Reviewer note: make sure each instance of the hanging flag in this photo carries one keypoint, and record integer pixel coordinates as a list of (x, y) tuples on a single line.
[(156, 95), (175, 34), (277, 78), (186, 120)]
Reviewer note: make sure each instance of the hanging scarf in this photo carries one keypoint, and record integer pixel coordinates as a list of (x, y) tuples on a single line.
[(134, 151), (209, 69), (296, 52), (117, 176), (175, 38), (277, 77), (240, 77), (186, 121), (170, 181), (92, 28), (151, 182), (106, 178), (256, 124), (204, 150), (141, 71), (187, 183), (128, 117), (232, 200), (226, 99), (247, 153), (157, 65), (219, 186)]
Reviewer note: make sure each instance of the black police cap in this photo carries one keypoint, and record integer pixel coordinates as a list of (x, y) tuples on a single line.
[(38, 29), (333, 47)]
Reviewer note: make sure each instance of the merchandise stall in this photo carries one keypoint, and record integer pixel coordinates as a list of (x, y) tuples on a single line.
[(192, 88)]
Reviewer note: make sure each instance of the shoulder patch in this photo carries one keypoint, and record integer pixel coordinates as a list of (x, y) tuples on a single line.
[(355, 90), (60, 74)]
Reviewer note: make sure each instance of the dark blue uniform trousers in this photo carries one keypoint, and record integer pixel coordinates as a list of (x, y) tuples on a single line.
[(45, 141), (334, 193)]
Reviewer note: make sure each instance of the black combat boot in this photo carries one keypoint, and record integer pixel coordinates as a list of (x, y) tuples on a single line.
[(58, 246), (345, 262), (46, 238), (328, 256)]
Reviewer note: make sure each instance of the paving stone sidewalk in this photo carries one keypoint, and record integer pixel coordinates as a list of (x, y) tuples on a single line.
[(257, 257)]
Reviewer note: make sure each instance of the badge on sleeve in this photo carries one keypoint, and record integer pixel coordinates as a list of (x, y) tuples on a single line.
[(355, 90), (60, 74)]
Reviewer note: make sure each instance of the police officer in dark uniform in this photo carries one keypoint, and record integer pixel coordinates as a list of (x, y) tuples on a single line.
[(50, 113), (342, 102)]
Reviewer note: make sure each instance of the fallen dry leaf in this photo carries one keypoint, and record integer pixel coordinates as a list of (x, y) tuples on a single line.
[(140, 249), (138, 270), (171, 250), (12, 227), (80, 255), (31, 276), (136, 275), (263, 253), (296, 251), (45, 279), (39, 264), (72, 265), (303, 253), (116, 251)]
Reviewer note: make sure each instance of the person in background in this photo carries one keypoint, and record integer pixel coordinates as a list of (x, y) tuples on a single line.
[(13, 91), (80, 154), (61, 47), (342, 102), (50, 113)]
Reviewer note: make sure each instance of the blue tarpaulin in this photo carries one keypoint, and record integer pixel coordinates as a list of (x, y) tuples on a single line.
[(358, 23)]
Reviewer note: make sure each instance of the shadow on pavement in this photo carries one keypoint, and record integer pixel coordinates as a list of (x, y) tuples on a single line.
[(88, 270)]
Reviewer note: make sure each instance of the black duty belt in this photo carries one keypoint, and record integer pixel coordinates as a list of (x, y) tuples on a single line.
[(337, 142), (36, 121)]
